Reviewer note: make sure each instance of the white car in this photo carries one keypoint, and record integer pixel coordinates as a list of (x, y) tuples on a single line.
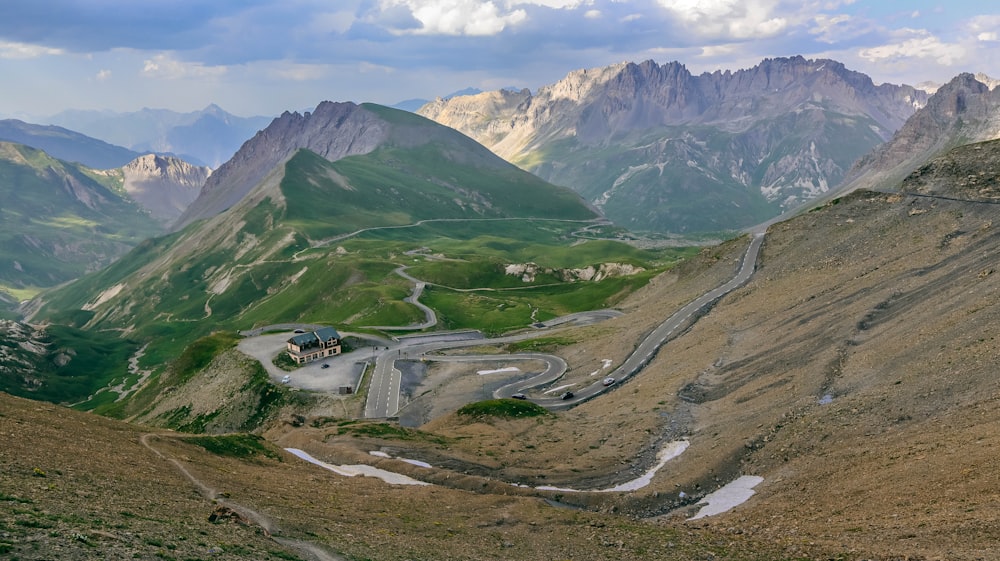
[(608, 381), (286, 379)]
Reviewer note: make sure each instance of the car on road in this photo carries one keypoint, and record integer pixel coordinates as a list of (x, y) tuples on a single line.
[(566, 395), (286, 379), (519, 396), (326, 366), (608, 381), (299, 331)]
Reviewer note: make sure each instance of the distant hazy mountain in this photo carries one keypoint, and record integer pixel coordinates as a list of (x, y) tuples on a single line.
[(412, 105), (60, 219), (66, 144), (660, 149), (963, 111), (207, 137)]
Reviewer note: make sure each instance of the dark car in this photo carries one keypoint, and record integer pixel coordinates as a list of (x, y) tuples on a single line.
[(519, 396), (567, 395), (326, 366)]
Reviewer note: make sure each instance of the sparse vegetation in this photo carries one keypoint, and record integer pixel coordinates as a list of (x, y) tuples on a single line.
[(503, 409), (243, 446)]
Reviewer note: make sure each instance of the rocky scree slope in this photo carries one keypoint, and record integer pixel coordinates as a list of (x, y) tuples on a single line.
[(657, 148)]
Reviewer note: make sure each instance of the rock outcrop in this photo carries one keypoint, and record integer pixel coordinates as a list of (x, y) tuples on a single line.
[(163, 185)]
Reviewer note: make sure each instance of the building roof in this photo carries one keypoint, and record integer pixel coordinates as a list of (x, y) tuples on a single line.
[(327, 333), (313, 338)]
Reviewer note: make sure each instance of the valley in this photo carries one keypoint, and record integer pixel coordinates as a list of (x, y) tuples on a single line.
[(521, 377)]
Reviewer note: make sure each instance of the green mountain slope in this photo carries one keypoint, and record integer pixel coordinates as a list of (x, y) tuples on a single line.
[(60, 220), (318, 242)]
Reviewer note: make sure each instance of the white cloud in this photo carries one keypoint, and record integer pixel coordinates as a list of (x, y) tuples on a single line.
[(985, 28), (916, 44), (163, 66), (456, 17), (593, 14), (830, 29), (557, 4), (733, 19), (11, 50), (103, 74)]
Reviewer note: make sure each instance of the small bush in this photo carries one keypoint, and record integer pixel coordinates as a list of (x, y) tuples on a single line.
[(503, 408), (236, 446)]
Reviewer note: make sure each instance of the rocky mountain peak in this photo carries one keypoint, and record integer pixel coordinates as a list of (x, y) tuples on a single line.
[(332, 130), (663, 135), (164, 185)]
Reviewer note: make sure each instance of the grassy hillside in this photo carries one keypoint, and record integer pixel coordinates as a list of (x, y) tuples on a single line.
[(318, 242), (60, 220)]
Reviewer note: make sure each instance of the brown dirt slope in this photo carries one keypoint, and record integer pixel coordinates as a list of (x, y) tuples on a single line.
[(75, 486)]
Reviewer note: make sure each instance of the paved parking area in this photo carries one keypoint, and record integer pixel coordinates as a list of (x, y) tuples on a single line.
[(342, 370)]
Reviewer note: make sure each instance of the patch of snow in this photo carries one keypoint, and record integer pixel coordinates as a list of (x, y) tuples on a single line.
[(498, 370), (728, 497), (354, 470), (417, 463), (379, 453), (606, 363), (827, 399), (670, 451), (667, 453)]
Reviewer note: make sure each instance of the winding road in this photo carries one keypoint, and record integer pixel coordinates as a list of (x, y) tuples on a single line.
[(383, 395)]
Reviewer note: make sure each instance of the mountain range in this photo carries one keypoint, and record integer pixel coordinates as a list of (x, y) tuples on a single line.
[(66, 144), (657, 148), (963, 111), (207, 137), (853, 374)]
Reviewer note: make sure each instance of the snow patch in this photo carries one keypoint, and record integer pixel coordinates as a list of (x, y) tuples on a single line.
[(670, 451), (728, 497), (354, 470)]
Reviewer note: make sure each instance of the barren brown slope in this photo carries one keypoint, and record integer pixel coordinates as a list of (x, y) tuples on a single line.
[(77, 486), (855, 373)]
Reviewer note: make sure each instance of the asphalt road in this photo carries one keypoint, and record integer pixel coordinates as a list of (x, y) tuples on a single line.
[(647, 349), (384, 389)]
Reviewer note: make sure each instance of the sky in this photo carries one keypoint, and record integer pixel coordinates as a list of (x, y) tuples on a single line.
[(262, 57)]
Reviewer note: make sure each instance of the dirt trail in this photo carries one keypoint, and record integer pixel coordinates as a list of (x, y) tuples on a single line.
[(311, 551)]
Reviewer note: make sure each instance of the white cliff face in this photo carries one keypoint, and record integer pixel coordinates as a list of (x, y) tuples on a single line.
[(163, 185)]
